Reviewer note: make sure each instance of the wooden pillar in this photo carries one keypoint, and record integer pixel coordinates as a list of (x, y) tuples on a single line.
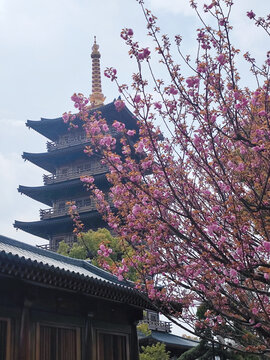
[(134, 344), (24, 340), (88, 338)]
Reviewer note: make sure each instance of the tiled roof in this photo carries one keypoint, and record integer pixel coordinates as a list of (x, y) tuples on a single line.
[(171, 340), (51, 128), (27, 262)]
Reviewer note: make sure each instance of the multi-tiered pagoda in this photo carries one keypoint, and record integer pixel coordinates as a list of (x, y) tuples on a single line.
[(66, 162)]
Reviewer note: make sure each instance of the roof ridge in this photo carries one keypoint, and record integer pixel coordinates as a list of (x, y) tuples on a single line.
[(39, 251), (60, 117)]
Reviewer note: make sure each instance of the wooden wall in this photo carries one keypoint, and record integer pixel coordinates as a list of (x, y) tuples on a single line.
[(42, 323)]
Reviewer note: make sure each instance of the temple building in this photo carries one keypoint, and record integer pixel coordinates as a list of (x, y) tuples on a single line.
[(66, 161), (59, 308)]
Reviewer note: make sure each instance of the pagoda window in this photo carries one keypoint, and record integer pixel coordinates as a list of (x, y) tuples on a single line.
[(83, 167), (88, 166), (80, 168), (5, 339), (55, 242), (81, 136), (112, 346), (79, 203), (64, 171), (153, 316), (58, 343), (61, 206), (87, 202)]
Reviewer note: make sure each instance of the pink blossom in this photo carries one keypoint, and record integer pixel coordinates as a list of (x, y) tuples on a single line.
[(222, 22), (129, 32), (140, 147), (118, 126), (221, 59), (137, 99), (104, 251), (157, 105), (87, 179), (201, 68), (173, 90), (136, 209), (266, 245), (131, 132), (110, 73), (251, 14), (134, 238), (143, 54), (74, 97), (255, 311), (119, 105), (233, 273), (240, 167), (236, 95), (65, 117), (146, 164), (107, 141), (192, 81), (212, 228), (105, 127), (222, 240)]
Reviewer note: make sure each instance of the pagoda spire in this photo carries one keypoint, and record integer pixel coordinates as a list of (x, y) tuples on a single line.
[(96, 98)]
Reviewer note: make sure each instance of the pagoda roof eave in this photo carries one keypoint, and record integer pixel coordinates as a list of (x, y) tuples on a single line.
[(49, 160), (45, 228), (52, 128), (47, 194), (170, 340)]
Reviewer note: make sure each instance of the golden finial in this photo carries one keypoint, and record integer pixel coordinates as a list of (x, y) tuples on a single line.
[(96, 98)]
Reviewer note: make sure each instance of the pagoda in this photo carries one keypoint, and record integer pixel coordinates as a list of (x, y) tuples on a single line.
[(66, 162)]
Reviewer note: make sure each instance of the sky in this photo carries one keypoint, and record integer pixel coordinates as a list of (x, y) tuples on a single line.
[(45, 57)]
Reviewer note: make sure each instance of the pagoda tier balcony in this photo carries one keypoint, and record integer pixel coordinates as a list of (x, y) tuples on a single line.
[(71, 174), (44, 246), (63, 211), (67, 141), (164, 326), (51, 247), (54, 246)]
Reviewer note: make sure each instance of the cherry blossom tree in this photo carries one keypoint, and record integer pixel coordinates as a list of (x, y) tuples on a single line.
[(192, 200)]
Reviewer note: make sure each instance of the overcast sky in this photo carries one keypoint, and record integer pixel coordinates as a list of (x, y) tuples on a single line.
[(45, 58)]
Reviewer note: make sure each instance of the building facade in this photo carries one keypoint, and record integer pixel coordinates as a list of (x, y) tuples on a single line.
[(56, 308)]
